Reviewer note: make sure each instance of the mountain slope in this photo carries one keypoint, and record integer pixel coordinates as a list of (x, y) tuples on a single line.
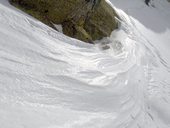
[(48, 80)]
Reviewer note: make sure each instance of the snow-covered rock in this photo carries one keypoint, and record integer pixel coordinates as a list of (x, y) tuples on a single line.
[(86, 20)]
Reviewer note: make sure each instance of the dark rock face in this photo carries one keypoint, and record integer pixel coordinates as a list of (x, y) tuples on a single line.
[(147, 2), (86, 20)]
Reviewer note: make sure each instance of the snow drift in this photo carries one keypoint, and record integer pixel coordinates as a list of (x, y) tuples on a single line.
[(48, 80)]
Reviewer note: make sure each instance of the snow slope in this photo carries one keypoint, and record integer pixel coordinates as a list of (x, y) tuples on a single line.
[(48, 80)]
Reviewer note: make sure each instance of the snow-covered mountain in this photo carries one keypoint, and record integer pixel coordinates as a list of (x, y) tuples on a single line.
[(48, 80)]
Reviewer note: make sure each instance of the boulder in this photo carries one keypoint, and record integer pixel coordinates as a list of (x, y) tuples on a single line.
[(86, 20)]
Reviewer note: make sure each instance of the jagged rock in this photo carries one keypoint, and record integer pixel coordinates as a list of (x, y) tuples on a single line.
[(86, 20)]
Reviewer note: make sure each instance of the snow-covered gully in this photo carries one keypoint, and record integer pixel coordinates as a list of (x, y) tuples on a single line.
[(48, 80)]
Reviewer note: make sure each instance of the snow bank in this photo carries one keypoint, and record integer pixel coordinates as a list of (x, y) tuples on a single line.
[(48, 80)]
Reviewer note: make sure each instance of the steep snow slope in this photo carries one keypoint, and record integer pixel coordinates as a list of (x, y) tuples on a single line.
[(48, 80)]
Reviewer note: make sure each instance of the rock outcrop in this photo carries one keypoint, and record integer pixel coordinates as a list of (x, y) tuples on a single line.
[(86, 20)]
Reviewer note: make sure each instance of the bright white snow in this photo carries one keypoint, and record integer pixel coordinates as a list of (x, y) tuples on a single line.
[(48, 80)]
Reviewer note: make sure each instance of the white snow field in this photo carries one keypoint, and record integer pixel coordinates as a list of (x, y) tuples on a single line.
[(48, 80)]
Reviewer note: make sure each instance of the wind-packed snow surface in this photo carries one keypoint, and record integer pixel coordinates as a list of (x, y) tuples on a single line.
[(48, 80)]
